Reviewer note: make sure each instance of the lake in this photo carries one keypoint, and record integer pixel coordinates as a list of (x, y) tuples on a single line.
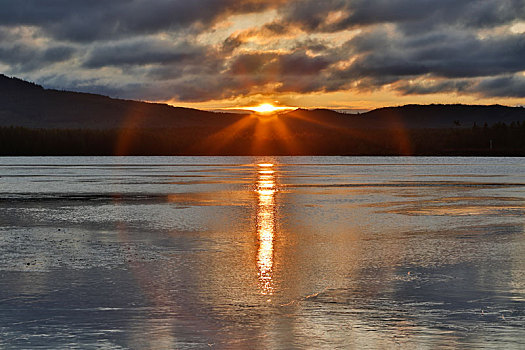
[(262, 252)]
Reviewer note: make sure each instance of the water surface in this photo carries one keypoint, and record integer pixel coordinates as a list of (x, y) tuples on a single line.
[(262, 252)]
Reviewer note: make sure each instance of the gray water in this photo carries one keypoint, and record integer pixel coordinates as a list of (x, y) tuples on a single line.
[(262, 253)]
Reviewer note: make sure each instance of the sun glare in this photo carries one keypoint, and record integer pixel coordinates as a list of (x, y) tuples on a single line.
[(267, 108)]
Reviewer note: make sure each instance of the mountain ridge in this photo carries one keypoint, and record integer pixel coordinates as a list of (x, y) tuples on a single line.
[(31, 105)]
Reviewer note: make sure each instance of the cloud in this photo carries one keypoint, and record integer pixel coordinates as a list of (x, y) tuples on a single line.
[(24, 58), (506, 86), (278, 64), (142, 52), (432, 87), (501, 86), (445, 53), (336, 15), (85, 21), (204, 50)]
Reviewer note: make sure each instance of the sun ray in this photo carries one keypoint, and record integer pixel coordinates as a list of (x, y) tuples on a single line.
[(285, 138), (221, 139)]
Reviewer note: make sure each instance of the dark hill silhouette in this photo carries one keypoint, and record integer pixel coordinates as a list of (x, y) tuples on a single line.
[(30, 105), (443, 116), (39, 121), (418, 116)]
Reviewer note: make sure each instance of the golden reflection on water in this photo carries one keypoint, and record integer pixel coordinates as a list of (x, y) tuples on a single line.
[(265, 226)]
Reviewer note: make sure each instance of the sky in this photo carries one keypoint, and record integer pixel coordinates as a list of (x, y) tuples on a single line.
[(213, 54)]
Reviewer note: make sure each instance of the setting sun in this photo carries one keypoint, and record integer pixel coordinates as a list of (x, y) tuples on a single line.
[(268, 108)]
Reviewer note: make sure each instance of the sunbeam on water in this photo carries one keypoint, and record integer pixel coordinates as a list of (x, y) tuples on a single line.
[(265, 225)]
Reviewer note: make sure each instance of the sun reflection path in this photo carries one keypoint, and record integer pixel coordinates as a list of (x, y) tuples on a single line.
[(266, 189)]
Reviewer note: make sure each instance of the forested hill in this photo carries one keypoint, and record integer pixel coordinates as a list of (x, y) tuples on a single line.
[(30, 105), (443, 116)]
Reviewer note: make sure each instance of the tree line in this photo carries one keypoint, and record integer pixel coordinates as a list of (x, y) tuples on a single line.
[(498, 139)]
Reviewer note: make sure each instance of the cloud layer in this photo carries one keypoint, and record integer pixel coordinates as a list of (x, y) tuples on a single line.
[(204, 50)]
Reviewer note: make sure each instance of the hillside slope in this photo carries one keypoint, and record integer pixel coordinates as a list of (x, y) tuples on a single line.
[(30, 105)]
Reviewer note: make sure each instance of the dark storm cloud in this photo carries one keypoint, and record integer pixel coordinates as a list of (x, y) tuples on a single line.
[(312, 15), (91, 86), (20, 52), (295, 63), (142, 52), (410, 46), (509, 86), (504, 86), (420, 88), (25, 58), (80, 20), (444, 54)]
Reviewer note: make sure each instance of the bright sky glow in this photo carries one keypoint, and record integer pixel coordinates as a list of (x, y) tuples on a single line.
[(268, 108)]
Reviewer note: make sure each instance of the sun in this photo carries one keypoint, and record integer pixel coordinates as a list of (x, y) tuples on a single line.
[(267, 108)]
